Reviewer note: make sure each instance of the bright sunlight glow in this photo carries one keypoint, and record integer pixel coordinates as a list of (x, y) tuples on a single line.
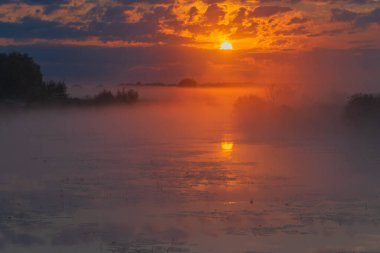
[(226, 46), (227, 146)]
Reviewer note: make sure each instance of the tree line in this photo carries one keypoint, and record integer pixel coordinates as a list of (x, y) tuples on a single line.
[(21, 80)]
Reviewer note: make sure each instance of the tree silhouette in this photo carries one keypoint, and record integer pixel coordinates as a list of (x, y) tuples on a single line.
[(20, 77), (187, 82), (104, 97), (55, 91), (127, 96), (121, 97)]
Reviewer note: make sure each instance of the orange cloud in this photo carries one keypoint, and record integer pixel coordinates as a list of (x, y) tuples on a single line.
[(259, 25)]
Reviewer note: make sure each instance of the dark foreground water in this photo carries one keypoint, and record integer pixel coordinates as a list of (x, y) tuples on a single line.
[(179, 177)]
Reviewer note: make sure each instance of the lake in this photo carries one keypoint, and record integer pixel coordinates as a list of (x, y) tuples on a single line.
[(174, 173)]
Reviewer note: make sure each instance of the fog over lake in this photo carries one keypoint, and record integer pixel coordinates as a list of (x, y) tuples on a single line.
[(186, 170)]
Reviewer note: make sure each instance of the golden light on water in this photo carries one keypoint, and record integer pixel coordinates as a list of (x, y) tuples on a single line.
[(226, 46), (227, 146)]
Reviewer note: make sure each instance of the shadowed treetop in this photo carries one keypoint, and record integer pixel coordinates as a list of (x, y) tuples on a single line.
[(20, 77)]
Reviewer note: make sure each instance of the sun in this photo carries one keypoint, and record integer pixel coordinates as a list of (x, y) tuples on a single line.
[(226, 46), (227, 146)]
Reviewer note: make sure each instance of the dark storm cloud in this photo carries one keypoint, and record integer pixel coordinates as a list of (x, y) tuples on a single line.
[(30, 28), (267, 11), (113, 26), (240, 15), (50, 6), (44, 2), (360, 1), (192, 13), (142, 31), (214, 13), (213, 1), (372, 17), (332, 32), (295, 31), (360, 20), (280, 1), (110, 26), (343, 15), (297, 20), (145, 1), (355, 2), (114, 14)]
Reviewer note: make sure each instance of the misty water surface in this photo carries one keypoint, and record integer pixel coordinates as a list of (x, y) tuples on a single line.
[(178, 173)]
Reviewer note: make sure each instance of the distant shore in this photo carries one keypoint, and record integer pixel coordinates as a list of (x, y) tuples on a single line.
[(201, 85)]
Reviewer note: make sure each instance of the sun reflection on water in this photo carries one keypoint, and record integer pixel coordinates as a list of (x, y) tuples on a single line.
[(227, 146)]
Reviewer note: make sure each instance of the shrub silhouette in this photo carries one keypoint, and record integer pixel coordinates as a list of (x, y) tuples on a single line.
[(363, 109), (54, 91), (107, 97), (127, 97), (104, 97), (187, 82)]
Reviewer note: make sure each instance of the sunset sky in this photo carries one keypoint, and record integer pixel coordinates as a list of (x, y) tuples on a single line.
[(334, 42)]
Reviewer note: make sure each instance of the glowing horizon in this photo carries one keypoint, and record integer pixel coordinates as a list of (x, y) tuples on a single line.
[(226, 46), (282, 42)]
